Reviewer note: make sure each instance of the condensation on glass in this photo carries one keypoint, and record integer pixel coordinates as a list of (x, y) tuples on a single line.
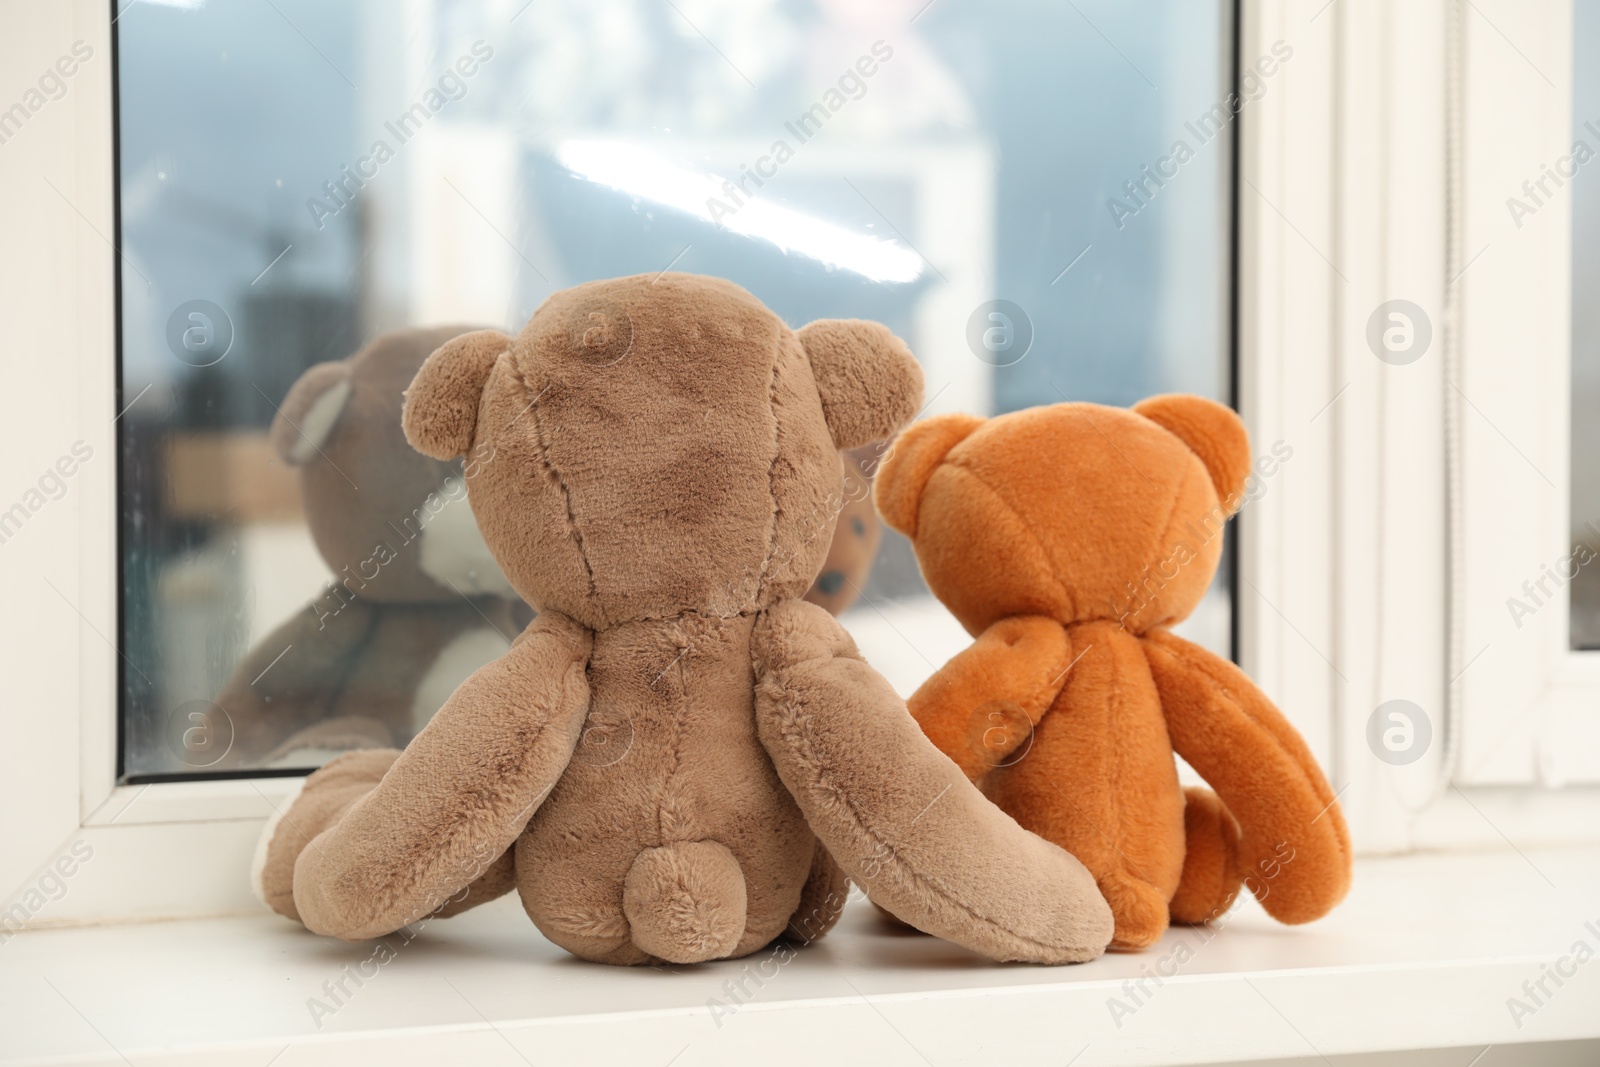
[(1035, 196)]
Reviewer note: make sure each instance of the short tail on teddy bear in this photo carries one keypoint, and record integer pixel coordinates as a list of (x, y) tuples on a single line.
[(685, 902)]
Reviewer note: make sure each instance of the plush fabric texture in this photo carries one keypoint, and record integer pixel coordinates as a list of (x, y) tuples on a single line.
[(407, 847), (1068, 540), (917, 453), (450, 394), (855, 361), (349, 669), (333, 788), (686, 760), (900, 818)]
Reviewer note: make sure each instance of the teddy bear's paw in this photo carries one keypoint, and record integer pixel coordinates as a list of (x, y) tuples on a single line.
[(1211, 871), (1139, 908), (686, 902), (296, 821)]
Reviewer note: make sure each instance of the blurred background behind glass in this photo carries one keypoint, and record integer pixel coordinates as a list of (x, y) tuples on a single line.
[(304, 176)]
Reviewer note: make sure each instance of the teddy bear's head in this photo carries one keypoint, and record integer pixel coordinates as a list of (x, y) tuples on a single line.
[(1073, 511), (392, 524), (660, 444)]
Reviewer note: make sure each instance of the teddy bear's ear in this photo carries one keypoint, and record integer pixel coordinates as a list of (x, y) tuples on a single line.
[(441, 410), (911, 461), (307, 416), (1213, 432), (870, 383)]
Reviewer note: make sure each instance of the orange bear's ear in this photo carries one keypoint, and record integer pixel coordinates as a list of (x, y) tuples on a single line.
[(441, 411), (307, 416), (911, 461), (1213, 431), (869, 381)]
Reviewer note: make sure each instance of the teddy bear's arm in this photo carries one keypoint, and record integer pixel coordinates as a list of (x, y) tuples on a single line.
[(457, 798), (898, 817), (1294, 848), (983, 704)]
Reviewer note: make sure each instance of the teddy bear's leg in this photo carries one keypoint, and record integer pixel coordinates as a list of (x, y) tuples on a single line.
[(682, 902), (898, 816), (1100, 781), (1294, 849), (450, 806), (1211, 872), (821, 901), (574, 894), (320, 802)]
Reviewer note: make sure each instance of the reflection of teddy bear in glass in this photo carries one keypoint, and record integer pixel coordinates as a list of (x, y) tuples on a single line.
[(417, 603), (663, 452)]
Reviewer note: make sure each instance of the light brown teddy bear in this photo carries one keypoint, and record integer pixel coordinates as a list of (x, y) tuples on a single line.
[(417, 603), (663, 486), (1068, 540)]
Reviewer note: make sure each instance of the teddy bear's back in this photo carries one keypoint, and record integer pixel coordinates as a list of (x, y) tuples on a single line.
[(669, 755)]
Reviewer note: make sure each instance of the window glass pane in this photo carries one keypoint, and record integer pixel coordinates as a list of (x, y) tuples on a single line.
[(300, 178), (1585, 588)]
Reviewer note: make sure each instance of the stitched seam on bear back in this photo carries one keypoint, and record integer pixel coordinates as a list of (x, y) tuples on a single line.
[(679, 702), (1164, 541), (1033, 536), (762, 577), (573, 529)]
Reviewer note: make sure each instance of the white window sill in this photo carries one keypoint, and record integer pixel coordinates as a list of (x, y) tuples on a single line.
[(1424, 954)]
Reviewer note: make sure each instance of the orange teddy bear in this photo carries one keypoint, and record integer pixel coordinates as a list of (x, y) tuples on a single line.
[(1068, 540)]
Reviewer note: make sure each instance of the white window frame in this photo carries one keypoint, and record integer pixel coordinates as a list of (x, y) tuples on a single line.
[(1534, 714), (1325, 165), (1348, 583), (157, 850)]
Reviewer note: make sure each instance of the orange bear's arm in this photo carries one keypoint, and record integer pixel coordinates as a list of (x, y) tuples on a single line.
[(1295, 849), (970, 708)]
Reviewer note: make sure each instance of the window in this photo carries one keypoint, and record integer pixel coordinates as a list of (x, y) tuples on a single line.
[(1526, 401), (1037, 197), (1585, 481), (150, 590)]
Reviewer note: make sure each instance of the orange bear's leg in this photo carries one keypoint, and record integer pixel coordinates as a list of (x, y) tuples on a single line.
[(1099, 780), (1212, 874)]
